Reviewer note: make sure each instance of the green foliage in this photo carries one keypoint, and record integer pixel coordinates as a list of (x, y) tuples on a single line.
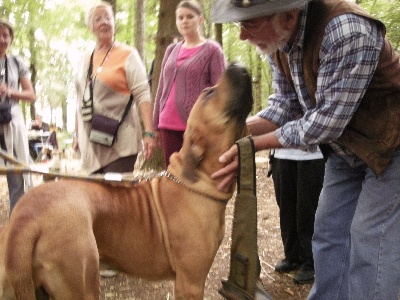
[(125, 32), (388, 11)]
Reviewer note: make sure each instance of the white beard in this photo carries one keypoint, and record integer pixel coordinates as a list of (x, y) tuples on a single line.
[(273, 46)]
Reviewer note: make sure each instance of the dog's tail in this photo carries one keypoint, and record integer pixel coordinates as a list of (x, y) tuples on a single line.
[(19, 251)]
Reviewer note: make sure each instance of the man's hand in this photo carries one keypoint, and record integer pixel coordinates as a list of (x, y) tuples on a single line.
[(229, 171)]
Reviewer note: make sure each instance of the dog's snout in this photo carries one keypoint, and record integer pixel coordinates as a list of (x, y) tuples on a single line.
[(241, 90)]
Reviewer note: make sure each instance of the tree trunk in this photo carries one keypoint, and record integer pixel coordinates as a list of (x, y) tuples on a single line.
[(140, 15), (165, 35), (257, 85), (218, 33), (33, 71)]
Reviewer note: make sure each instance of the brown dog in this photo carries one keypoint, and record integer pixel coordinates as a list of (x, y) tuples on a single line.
[(167, 228)]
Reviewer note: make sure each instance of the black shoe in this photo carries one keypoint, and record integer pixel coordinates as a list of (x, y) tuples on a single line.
[(286, 266), (305, 275)]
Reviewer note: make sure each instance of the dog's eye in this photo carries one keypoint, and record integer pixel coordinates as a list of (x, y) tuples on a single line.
[(208, 92)]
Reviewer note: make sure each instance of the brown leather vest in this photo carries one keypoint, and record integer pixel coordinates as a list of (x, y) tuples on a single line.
[(374, 130)]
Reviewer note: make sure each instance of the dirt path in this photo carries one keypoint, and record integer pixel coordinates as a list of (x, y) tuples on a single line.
[(280, 287)]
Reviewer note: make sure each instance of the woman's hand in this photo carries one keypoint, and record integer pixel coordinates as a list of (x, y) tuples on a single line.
[(229, 171), (149, 145)]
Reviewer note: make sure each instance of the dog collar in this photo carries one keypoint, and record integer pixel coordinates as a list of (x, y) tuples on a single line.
[(175, 179)]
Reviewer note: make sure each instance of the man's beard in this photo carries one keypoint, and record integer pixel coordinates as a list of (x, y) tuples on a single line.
[(271, 47)]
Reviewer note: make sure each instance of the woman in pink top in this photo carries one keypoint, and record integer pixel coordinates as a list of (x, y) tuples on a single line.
[(188, 67)]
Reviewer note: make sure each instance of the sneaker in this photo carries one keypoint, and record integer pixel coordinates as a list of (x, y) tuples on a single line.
[(304, 275), (108, 273), (286, 266)]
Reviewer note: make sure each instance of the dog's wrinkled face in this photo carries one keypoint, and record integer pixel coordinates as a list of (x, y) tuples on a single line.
[(216, 121)]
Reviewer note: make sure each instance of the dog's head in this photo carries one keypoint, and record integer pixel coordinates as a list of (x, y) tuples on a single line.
[(215, 122)]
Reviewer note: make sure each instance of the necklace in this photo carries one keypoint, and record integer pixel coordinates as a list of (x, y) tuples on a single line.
[(100, 68)]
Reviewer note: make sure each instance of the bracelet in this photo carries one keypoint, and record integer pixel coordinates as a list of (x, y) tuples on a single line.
[(149, 134)]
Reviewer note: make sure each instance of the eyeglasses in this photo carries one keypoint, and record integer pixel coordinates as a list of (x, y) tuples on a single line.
[(98, 19), (253, 28)]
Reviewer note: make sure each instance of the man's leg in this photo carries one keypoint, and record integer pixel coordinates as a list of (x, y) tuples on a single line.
[(309, 184), (375, 237), (331, 240), (284, 175)]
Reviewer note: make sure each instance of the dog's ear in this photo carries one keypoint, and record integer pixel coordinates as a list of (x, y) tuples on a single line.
[(191, 161), (192, 156)]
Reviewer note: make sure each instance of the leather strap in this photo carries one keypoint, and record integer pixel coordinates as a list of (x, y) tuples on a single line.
[(245, 267)]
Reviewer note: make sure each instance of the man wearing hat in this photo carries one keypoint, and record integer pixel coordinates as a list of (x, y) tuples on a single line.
[(337, 86)]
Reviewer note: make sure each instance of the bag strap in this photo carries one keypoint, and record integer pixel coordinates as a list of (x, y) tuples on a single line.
[(18, 68), (6, 75), (6, 70), (128, 106), (244, 262), (246, 179), (88, 77)]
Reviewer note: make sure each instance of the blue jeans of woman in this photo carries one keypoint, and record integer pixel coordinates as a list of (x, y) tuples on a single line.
[(15, 181), (356, 242)]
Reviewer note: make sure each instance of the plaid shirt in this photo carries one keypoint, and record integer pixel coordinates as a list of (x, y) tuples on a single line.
[(348, 58)]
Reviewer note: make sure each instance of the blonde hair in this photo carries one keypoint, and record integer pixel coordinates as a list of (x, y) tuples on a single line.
[(192, 5), (6, 24), (89, 14)]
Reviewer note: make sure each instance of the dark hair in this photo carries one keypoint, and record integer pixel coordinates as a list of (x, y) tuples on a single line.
[(191, 4), (6, 24)]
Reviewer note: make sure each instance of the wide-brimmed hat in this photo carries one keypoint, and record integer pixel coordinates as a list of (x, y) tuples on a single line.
[(223, 11)]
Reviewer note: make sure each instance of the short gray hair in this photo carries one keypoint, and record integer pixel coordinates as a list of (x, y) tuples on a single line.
[(89, 14)]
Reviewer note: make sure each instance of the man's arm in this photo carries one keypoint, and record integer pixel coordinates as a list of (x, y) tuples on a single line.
[(257, 125)]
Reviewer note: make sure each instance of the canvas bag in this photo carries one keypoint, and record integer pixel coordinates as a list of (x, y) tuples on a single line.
[(104, 129)]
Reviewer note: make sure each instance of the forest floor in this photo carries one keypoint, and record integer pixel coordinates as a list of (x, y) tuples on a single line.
[(279, 286)]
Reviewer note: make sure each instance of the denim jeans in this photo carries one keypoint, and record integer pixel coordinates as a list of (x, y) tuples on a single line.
[(15, 188), (356, 242), (16, 183)]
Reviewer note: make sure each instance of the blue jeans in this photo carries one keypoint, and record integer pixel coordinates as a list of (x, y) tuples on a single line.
[(15, 188), (15, 182), (356, 242)]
